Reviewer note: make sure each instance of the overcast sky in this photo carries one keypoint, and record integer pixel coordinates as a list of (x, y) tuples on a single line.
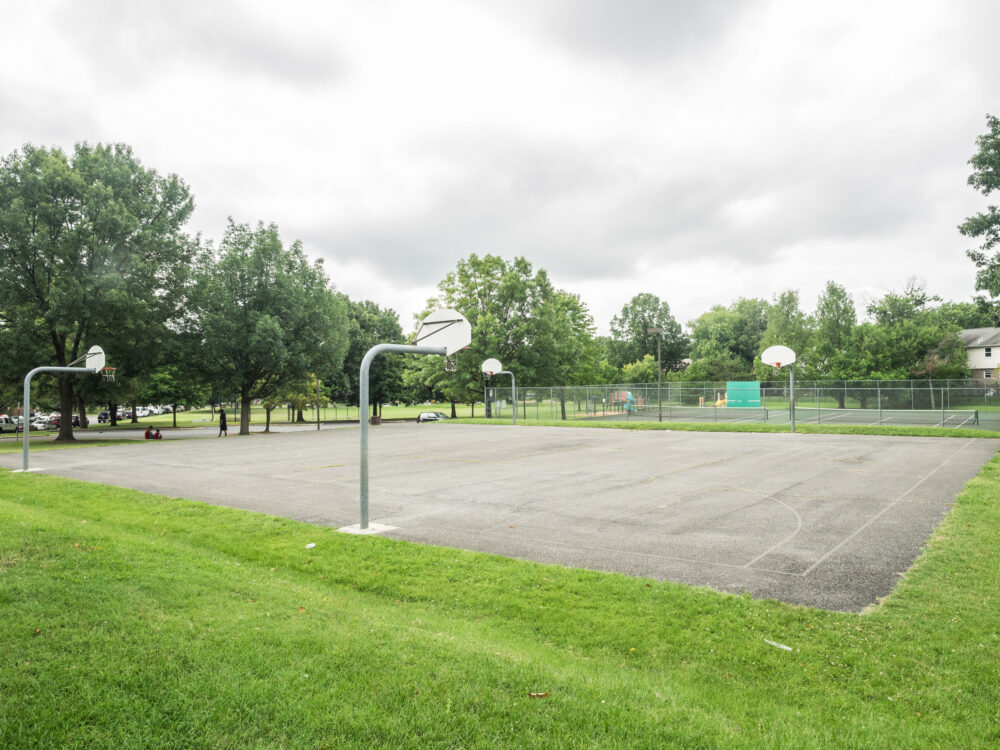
[(701, 150)]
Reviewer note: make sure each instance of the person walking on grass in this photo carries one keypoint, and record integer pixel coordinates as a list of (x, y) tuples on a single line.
[(223, 427)]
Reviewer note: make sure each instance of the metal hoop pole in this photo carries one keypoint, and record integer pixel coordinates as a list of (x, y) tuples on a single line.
[(513, 390), (27, 402), (366, 364)]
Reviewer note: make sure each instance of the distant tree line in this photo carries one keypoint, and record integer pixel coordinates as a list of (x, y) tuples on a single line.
[(95, 251)]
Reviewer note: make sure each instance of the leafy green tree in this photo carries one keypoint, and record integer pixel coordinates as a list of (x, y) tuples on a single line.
[(630, 337), (266, 316), (171, 384), (836, 318), (536, 331), (730, 337), (368, 326), (985, 225), (641, 371), (786, 325), (92, 250), (906, 337)]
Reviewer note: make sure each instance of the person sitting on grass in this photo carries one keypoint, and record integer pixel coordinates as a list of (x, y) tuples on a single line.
[(148, 434), (157, 435)]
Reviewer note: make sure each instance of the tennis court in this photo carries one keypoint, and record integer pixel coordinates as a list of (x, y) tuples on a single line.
[(919, 417), (946, 418), (821, 520)]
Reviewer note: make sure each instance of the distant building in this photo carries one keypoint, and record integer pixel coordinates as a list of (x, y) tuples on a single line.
[(983, 346)]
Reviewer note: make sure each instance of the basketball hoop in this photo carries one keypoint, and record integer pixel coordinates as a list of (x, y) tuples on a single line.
[(108, 373), (450, 365), (490, 366)]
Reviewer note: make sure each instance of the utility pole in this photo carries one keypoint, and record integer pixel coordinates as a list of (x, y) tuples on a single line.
[(659, 371)]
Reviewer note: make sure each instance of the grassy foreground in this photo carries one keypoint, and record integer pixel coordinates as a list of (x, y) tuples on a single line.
[(134, 620)]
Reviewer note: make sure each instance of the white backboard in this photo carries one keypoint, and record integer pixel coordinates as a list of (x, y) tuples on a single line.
[(777, 356), (445, 328), (95, 359), (491, 366)]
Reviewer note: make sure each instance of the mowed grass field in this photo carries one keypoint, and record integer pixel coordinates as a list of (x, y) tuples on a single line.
[(134, 620)]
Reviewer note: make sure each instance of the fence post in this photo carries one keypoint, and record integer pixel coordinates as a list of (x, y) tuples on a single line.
[(819, 414), (879, 393)]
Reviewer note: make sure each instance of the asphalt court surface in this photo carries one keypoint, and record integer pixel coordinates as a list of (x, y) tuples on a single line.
[(821, 520)]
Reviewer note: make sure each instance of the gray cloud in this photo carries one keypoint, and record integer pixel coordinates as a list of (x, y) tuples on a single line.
[(589, 212), (632, 31), (132, 43)]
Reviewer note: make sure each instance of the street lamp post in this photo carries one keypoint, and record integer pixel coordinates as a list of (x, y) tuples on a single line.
[(659, 371)]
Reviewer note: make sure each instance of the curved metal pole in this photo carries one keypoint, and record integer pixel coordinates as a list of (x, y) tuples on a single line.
[(27, 401), (513, 390), (363, 407)]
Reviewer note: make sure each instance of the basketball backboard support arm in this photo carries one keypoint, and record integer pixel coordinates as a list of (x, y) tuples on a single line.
[(366, 364), (26, 417)]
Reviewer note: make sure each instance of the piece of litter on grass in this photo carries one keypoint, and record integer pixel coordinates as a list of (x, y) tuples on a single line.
[(310, 545), (538, 695), (779, 645)]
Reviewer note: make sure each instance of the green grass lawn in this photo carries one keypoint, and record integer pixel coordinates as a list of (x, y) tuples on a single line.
[(134, 620)]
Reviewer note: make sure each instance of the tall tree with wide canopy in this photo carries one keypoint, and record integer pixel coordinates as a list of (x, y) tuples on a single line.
[(630, 337), (92, 251), (265, 315), (369, 325), (835, 320), (985, 225), (517, 316), (786, 325), (728, 336)]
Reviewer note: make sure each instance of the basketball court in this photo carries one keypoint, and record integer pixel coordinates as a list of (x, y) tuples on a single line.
[(822, 520)]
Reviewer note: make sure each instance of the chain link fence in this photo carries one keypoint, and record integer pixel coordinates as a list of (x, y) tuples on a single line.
[(947, 403)]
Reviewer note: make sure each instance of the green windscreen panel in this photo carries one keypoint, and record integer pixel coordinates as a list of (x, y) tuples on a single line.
[(744, 393)]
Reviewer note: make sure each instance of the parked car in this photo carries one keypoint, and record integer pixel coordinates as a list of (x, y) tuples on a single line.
[(431, 416), (7, 424), (104, 416)]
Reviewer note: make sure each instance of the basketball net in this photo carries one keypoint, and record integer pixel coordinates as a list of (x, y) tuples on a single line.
[(450, 365)]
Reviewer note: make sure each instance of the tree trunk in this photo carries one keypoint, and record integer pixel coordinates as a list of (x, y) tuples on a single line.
[(267, 419), (300, 418), (65, 410), (113, 414), (473, 413), (82, 409), (562, 403), (135, 413), (245, 410), (174, 412), (454, 414)]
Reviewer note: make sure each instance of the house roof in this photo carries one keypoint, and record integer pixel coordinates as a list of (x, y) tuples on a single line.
[(973, 337)]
